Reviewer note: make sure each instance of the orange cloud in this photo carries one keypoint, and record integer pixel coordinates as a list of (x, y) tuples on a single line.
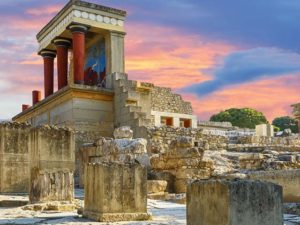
[(166, 57), (273, 97)]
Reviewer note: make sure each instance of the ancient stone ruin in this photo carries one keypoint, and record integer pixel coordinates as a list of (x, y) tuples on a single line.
[(39, 160), (236, 202), (129, 143)]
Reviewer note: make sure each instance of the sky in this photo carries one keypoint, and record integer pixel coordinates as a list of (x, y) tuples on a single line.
[(218, 54)]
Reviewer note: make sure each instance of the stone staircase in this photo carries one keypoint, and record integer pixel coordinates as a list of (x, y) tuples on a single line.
[(131, 105)]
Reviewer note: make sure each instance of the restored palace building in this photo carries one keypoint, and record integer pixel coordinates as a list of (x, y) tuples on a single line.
[(94, 94)]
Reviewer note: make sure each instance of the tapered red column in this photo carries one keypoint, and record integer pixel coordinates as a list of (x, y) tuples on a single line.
[(36, 97), (25, 107), (48, 57), (78, 33), (62, 46)]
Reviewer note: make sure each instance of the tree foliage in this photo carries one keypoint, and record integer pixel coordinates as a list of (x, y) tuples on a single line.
[(286, 122), (244, 118)]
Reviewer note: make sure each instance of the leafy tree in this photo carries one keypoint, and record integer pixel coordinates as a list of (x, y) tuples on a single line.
[(245, 117), (286, 122)]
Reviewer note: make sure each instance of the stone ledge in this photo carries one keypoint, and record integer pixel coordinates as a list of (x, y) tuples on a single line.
[(115, 217)]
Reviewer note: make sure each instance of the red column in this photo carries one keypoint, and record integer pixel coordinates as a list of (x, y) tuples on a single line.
[(36, 97), (48, 71), (62, 46), (25, 107), (78, 33)]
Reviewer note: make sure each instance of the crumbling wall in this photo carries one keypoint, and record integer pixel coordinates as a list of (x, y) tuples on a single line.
[(163, 100), (14, 157), (288, 179), (121, 149), (291, 141), (52, 161), (160, 138), (238, 202)]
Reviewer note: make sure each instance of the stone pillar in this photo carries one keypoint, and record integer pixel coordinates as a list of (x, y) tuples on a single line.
[(48, 57), (62, 46), (25, 107), (114, 44), (115, 192), (237, 202), (36, 97), (52, 162), (78, 33)]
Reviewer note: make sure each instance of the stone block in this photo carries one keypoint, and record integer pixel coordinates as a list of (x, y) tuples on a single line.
[(115, 192), (52, 164), (156, 186), (14, 157), (237, 202), (123, 132), (288, 179)]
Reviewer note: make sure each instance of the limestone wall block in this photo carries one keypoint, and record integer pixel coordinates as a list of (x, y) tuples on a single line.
[(238, 202), (115, 192)]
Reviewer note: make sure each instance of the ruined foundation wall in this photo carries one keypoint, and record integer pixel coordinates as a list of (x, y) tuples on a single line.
[(163, 100), (14, 157), (160, 138), (238, 202), (288, 179), (52, 159)]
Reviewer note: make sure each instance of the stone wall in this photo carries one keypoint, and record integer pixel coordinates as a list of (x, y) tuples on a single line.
[(52, 163), (239, 202), (288, 179), (122, 149), (14, 157), (163, 100), (37, 159), (160, 138), (291, 141)]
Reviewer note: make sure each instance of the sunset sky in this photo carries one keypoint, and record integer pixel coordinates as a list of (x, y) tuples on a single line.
[(218, 54)]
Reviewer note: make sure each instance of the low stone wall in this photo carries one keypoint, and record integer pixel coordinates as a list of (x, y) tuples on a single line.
[(160, 138), (115, 192), (239, 202), (40, 160), (288, 179), (293, 140), (14, 157), (52, 164), (183, 162), (51, 186)]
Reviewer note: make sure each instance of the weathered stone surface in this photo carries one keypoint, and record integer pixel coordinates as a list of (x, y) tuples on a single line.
[(164, 100), (52, 162), (14, 157), (156, 186), (113, 150), (115, 192), (288, 179), (123, 132), (238, 202)]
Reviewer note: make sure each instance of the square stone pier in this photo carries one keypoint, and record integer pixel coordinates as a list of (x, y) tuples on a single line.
[(115, 192), (237, 202)]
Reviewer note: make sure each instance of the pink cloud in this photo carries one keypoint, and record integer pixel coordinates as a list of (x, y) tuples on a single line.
[(44, 10), (273, 97), (166, 57)]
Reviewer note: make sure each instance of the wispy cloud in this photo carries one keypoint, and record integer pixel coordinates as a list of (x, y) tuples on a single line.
[(248, 65)]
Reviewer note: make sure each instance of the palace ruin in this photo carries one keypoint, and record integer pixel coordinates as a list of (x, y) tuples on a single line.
[(127, 141)]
